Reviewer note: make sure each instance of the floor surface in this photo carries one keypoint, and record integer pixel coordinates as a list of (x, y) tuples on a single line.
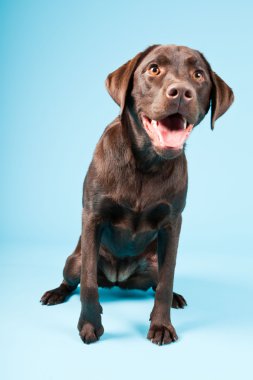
[(215, 330)]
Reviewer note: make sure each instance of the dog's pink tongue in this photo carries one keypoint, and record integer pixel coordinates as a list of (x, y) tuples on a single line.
[(172, 132)]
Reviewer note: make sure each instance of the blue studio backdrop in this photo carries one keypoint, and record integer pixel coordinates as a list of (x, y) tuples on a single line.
[(55, 56)]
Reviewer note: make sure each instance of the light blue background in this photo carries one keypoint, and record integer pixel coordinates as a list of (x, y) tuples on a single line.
[(55, 56)]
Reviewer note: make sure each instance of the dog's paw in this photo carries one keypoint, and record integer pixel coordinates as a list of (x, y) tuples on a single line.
[(162, 333), (88, 333), (178, 301), (53, 297), (57, 295)]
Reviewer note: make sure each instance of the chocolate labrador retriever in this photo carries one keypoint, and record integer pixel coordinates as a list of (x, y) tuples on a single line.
[(135, 189)]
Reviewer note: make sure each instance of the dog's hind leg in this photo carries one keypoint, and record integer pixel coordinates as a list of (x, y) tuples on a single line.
[(71, 275)]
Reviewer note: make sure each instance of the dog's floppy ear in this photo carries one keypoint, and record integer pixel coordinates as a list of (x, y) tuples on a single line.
[(221, 98), (118, 81)]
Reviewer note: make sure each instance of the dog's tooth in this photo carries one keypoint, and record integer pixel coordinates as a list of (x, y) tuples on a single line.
[(185, 123)]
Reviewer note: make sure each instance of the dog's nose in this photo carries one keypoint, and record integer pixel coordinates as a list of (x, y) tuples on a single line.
[(175, 91)]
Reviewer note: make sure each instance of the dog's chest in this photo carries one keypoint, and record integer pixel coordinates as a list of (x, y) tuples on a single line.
[(135, 219), (141, 203), (135, 209), (127, 232)]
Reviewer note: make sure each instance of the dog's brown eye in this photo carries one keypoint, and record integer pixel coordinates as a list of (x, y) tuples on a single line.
[(153, 70), (198, 74)]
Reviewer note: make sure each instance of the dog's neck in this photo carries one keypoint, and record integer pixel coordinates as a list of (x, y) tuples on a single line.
[(146, 158)]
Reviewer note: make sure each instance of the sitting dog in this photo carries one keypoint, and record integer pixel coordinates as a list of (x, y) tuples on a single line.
[(135, 188)]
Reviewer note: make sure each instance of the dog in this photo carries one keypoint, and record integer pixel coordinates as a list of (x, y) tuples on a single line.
[(136, 185)]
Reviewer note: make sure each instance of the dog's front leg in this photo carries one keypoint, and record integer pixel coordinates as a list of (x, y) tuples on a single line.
[(89, 325), (161, 330)]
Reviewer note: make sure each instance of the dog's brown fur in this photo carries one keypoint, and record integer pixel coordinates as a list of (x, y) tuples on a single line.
[(134, 193)]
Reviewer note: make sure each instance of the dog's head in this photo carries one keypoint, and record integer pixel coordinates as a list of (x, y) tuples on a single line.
[(169, 90)]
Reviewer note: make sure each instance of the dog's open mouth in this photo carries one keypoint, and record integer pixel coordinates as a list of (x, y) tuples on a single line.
[(170, 133)]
